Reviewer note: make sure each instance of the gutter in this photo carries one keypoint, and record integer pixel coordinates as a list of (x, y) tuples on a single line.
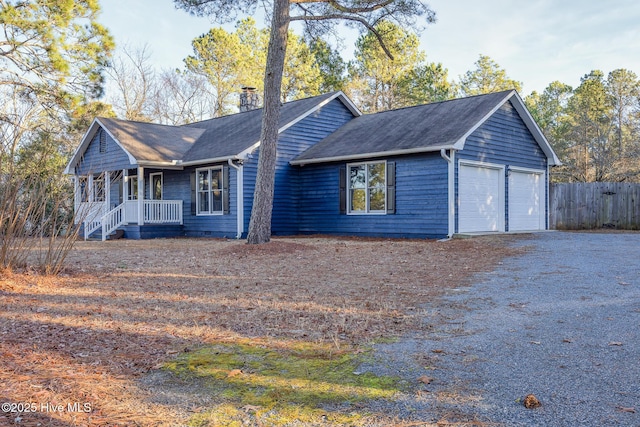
[(240, 197), (390, 153)]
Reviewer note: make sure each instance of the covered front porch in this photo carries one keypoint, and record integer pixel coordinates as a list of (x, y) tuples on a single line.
[(125, 200)]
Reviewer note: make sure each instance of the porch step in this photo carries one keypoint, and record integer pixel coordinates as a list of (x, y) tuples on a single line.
[(96, 237), (118, 234)]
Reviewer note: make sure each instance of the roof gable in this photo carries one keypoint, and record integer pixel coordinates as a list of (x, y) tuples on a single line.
[(423, 128), (231, 136), (150, 142)]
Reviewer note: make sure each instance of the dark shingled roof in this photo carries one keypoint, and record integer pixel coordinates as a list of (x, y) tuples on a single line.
[(222, 137), (151, 142), (228, 136), (412, 129)]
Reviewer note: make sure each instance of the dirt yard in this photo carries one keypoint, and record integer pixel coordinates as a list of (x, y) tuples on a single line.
[(73, 346)]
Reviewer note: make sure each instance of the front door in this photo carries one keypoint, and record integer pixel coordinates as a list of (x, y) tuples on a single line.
[(156, 186)]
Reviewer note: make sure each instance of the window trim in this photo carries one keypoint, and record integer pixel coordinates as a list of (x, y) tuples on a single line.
[(152, 190), (98, 188), (367, 210), (132, 188), (198, 191)]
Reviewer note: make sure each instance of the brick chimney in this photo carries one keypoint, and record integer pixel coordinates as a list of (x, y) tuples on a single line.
[(249, 99)]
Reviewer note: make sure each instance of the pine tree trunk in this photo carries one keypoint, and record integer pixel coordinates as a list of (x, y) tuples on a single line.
[(260, 223)]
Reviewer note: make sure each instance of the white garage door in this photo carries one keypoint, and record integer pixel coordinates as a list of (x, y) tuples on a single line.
[(480, 198), (526, 200)]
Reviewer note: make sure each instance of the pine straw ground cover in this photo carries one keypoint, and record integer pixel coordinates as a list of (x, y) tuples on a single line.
[(74, 347)]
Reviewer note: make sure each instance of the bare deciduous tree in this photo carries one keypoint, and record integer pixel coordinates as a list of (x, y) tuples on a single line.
[(135, 79)]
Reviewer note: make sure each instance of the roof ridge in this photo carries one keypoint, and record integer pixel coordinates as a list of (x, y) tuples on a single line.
[(441, 102), (137, 122), (323, 95)]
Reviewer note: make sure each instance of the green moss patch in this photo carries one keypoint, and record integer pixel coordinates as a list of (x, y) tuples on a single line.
[(279, 384)]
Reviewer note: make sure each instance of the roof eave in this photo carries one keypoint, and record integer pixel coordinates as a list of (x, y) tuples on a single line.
[(86, 140), (542, 141), (174, 164), (242, 155), (531, 124), (391, 153), (338, 95), (210, 160)]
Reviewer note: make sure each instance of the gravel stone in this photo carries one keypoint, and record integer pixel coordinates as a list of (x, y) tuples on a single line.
[(561, 322)]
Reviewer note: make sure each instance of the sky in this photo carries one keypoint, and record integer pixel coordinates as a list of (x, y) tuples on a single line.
[(535, 41)]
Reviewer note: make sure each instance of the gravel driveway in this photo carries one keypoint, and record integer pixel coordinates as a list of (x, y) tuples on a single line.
[(561, 322)]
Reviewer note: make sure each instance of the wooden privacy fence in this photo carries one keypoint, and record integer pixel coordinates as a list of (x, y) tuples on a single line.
[(589, 205)]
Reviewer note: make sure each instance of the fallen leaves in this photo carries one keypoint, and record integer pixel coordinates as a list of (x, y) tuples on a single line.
[(425, 379), (88, 335), (530, 401)]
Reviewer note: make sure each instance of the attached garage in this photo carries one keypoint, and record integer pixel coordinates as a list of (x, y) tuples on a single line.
[(481, 201), (526, 200)]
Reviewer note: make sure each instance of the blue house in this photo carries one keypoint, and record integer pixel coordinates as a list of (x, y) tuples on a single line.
[(477, 164)]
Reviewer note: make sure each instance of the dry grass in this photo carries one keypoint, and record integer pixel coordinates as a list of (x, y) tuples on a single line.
[(123, 307)]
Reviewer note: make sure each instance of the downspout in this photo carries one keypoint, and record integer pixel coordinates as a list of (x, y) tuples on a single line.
[(451, 189), (240, 197), (547, 208)]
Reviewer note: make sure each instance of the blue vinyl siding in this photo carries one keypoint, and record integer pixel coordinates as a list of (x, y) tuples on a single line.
[(115, 193), (292, 142), (503, 139), (249, 173), (93, 161), (421, 201), (177, 186)]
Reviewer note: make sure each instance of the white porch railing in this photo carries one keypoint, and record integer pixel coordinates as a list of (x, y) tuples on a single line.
[(112, 220), (90, 214), (155, 212), (163, 212), (131, 211)]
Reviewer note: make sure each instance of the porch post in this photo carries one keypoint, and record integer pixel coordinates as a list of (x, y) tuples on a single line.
[(90, 196), (140, 195), (107, 191), (125, 185), (76, 199)]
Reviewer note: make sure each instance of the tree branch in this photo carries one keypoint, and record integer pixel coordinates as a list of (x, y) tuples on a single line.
[(338, 16), (346, 9)]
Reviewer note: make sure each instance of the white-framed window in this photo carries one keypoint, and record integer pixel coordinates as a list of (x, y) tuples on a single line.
[(209, 188), (155, 192), (367, 188), (98, 188)]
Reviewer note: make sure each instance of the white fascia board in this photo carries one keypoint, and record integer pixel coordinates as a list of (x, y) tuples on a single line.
[(372, 155), (161, 165), (345, 100), (459, 145), (222, 159), (132, 160), (245, 153), (528, 120), (86, 140), (535, 131)]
